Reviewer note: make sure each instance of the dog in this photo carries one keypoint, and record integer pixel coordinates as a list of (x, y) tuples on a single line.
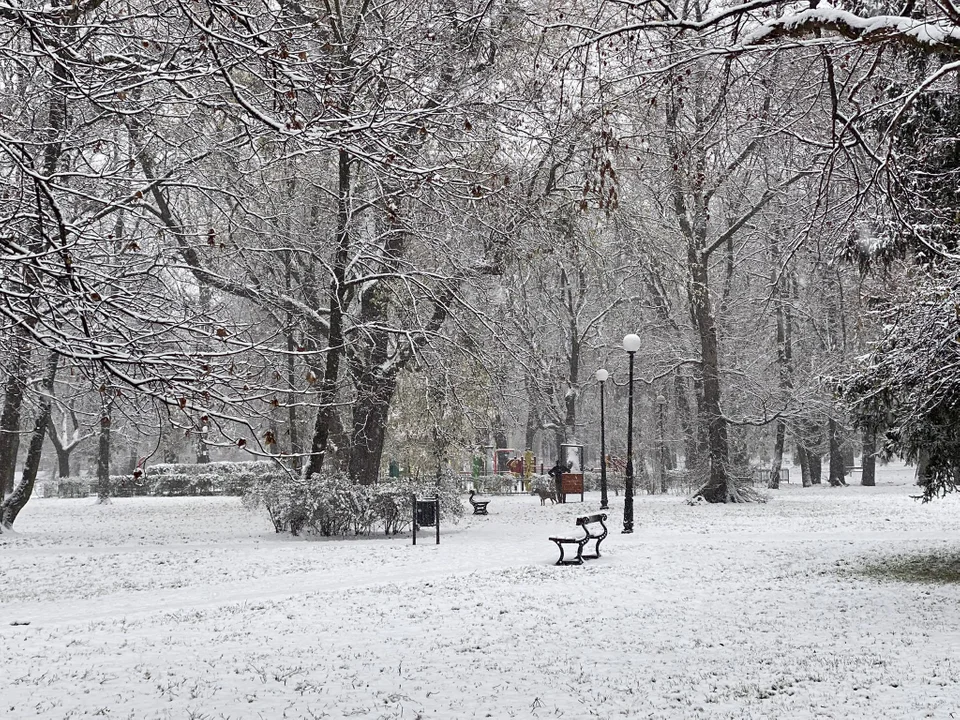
[(544, 495)]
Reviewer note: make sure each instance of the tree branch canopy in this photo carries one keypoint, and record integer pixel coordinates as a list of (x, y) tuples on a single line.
[(938, 35)]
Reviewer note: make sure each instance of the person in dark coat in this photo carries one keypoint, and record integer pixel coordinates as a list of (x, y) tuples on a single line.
[(556, 472)]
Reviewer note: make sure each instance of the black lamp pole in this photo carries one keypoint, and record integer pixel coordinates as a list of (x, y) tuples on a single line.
[(631, 343), (602, 376)]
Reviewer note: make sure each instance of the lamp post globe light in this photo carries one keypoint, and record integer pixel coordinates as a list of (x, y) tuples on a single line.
[(631, 343), (602, 376), (661, 406)]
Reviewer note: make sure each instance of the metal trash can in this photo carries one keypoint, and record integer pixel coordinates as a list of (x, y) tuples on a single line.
[(426, 512)]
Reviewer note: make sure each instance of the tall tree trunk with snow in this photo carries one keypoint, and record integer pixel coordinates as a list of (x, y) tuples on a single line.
[(533, 423), (369, 424), (784, 351), (687, 421), (201, 424), (836, 477), (337, 302), (803, 460), (293, 422), (815, 460), (55, 124), (571, 299), (11, 505), (378, 356), (716, 488), (12, 406), (776, 463), (103, 448), (868, 461)]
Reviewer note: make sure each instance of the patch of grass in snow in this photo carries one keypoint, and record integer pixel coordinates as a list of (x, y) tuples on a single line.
[(928, 567)]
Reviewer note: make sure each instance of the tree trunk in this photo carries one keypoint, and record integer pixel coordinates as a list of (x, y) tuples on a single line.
[(784, 340), (836, 456), (133, 457), (803, 459), (337, 307), (816, 467), (868, 475), (777, 462), (293, 422), (532, 425), (10, 417), (103, 452), (570, 305), (17, 500), (201, 424), (62, 451), (687, 422), (53, 128), (923, 461), (717, 488), (368, 432)]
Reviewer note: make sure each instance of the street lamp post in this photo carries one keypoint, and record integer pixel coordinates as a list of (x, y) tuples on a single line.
[(602, 376), (631, 343), (661, 406)]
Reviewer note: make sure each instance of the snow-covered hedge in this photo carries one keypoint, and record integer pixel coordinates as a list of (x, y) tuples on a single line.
[(216, 478), (69, 487), (330, 504), (76, 487)]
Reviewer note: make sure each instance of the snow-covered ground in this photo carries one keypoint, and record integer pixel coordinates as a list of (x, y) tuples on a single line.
[(823, 603)]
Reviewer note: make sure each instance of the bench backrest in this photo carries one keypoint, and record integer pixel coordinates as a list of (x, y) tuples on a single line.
[(587, 519)]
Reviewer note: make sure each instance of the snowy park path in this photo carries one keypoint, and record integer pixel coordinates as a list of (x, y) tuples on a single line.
[(190, 607)]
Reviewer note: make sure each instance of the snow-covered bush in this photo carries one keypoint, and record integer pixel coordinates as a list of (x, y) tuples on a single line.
[(542, 482), (391, 502), (330, 504)]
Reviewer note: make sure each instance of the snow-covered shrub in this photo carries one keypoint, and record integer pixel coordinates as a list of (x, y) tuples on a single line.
[(325, 503), (330, 504), (542, 482), (335, 506), (391, 502), (270, 491)]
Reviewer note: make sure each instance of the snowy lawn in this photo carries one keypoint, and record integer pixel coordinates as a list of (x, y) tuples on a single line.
[(823, 603)]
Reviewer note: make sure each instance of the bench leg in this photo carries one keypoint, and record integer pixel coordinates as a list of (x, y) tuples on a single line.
[(596, 548), (563, 560)]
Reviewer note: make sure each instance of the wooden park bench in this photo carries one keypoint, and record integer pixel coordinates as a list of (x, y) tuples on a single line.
[(479, 506), (589, 525)]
